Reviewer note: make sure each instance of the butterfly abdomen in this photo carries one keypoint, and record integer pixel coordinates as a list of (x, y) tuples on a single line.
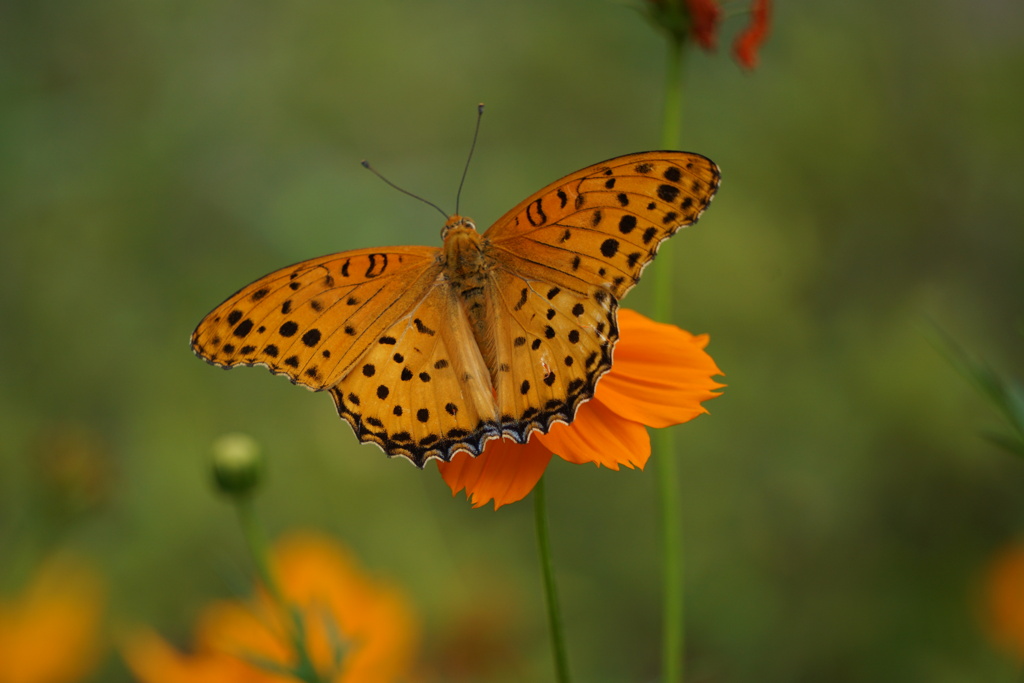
[(467, 267)]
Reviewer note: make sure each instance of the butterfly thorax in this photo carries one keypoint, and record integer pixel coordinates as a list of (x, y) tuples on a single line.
[(465, 260)]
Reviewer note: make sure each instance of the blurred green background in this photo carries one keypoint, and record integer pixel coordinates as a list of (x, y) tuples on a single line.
[(839, 504)]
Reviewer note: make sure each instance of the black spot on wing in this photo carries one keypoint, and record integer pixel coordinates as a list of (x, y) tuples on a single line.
[(522, 299), (311, 337), (378, 264), (668, 193), (244, 328), (535, 213), (423, 329)]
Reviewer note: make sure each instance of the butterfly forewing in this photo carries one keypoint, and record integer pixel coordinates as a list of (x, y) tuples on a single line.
[(312, 320), (602, 225), (422, 389)]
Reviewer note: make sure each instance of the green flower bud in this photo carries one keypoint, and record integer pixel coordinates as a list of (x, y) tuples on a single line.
[(237, 464)]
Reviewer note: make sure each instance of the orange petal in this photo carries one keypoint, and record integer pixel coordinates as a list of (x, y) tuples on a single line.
[(601, 436), (52, 632), (1004, 611), (316, 574), (152, 660), (660, 374), (226, 626), (505, 472)]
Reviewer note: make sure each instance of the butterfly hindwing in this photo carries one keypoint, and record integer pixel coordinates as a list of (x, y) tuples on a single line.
[(312, 320), (422, 389), (602, 225), (552, 346)]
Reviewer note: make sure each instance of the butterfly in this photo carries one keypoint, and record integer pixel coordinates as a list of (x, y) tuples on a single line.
[(428, 351)]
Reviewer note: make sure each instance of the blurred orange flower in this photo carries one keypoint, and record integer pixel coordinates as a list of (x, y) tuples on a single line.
[(50, 633), (353, 628), (660, 376), (1004, 600)]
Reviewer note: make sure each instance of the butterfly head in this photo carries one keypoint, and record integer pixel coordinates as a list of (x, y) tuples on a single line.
[(463, 250), (458, 224)]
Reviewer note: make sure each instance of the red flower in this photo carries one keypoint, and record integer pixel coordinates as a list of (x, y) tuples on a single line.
[(660, 376), (700, 20), (750, 40), (704, 18)]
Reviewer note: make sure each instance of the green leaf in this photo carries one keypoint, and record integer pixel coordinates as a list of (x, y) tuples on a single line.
[(1011, 443), (1006, 394)]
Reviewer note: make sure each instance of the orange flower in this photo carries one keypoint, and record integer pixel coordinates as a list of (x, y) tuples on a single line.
[(356, 628), (1004, 600), (50, 633), (660, 375)]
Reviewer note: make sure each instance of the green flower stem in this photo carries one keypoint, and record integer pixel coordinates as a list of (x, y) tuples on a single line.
[(672, 114), (558, 650), (257, 546), (673, 631), (303, 668), (666, 467)]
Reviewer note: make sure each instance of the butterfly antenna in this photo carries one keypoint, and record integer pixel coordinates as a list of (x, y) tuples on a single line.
[(366, 165), (476, 133)]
